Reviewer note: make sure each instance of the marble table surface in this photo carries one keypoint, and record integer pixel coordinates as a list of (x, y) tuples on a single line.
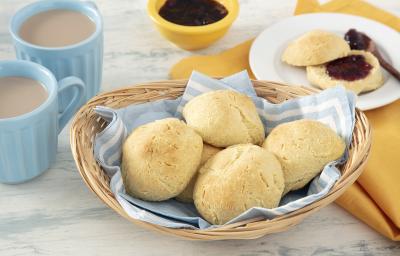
[(56, 214)]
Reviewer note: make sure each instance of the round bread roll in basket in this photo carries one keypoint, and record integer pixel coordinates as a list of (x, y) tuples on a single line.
[(87, 124)]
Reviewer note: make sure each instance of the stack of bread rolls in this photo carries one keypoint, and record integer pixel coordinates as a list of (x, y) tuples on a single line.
[(317, 49), (220, 160)]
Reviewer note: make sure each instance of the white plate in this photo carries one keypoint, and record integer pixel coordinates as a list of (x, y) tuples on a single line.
[(267, 48)]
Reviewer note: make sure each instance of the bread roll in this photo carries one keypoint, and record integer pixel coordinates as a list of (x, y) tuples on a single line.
[(236, 179), (314, 48), (187, 195), (224, 118), (303, 148), (159, 159), (318, 76)]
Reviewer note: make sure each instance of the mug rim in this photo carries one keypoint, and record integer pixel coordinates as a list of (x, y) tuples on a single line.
[(51, 88), (40, 4)]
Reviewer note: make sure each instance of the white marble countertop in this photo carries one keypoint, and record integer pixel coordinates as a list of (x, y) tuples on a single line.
[(56, 214)]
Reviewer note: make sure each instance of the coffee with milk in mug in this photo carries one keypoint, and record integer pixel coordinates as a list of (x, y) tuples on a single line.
[(57, 28), (20, 95), (64, 36)]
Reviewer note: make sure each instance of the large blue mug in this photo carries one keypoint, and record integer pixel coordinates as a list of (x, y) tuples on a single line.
[(83, 59), (28, 142)]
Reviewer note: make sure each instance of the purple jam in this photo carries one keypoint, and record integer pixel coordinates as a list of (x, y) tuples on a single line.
[(193, 12), (357, 40), (349, 68)]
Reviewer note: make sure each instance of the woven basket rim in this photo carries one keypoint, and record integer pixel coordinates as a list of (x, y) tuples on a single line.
[(85, 124)]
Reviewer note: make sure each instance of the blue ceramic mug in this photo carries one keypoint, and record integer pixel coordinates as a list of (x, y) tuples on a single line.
[(28, 142), (83, 60)]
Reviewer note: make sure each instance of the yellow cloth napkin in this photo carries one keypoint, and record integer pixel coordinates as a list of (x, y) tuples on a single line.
[(375, 197)]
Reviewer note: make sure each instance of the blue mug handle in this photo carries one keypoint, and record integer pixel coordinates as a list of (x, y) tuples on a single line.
[(78, 86)]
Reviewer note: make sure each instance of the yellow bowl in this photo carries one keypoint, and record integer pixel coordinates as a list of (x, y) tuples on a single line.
[(193, 37)]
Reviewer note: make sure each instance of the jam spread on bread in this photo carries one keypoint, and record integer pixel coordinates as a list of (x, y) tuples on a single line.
[(349, 68), (193, 12)]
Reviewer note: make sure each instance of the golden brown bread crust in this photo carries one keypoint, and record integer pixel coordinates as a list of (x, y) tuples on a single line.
[(303, 148), (236, 179), (159, 159), (224, 118), (187, 194), (314, 48)]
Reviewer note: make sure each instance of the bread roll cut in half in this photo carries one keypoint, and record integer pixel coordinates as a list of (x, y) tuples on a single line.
[(359, 72), (236, 179), (187, 195), (303, 148), (314, 48), (224, 118), (159, 159)]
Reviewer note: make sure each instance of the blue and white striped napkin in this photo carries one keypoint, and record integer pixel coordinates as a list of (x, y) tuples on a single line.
[(334, 107)]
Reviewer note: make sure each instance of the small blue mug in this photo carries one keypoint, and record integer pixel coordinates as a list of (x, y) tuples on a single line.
[(83, 60), (28, 142)]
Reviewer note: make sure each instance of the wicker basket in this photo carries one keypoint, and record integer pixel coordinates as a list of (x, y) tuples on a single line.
[(86, 124)]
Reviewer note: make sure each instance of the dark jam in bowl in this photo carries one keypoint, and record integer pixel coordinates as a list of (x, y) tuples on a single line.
[(193, 12), (349, 68)]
